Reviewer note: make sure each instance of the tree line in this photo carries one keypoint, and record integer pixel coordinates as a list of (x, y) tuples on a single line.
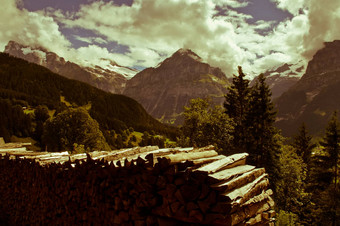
[(303, 173), (27, 85)]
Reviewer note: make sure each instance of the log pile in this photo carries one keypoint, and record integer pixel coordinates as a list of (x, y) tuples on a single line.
[(137, 186)]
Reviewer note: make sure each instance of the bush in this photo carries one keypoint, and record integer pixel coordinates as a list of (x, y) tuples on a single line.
[(73, 126)]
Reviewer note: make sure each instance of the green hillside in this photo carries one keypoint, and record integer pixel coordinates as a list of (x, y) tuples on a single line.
[(29, 84)]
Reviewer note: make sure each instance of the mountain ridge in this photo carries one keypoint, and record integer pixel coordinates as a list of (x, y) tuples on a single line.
[(313, 98), (110, 79), (167, 88), (37, 85)]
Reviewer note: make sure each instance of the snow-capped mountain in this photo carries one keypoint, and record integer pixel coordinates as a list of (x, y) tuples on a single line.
[(315, 97), (281, 78), (111, 78)]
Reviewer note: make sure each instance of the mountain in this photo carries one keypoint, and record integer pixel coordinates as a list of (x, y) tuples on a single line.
[(111, 79), (167, 88), (315, 96), (30, 84), (280, 79)]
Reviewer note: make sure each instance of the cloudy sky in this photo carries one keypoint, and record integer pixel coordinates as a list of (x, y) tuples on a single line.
[(256, 34)]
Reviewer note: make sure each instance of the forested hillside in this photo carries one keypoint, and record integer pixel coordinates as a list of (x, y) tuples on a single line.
[(29, 85)]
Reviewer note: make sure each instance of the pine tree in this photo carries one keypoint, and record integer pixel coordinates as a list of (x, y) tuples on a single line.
[(331, 144), (260, 118), (236, 107), (303, 144)]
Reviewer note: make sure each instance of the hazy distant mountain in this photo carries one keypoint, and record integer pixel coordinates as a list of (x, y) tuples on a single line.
[(280, 79), (111, 79), (315, 96), (167, 88)]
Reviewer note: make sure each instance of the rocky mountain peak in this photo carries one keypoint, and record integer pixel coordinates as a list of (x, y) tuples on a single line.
[(12, 45), (326, 59), (112, 78), (187, 53), (165, 90), (182, 58)]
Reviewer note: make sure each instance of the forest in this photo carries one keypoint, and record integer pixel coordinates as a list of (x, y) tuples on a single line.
[(303, 170), (32, 88), (62, 114)]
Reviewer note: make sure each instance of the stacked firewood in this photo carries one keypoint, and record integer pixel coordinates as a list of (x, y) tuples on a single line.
[(137, 186)]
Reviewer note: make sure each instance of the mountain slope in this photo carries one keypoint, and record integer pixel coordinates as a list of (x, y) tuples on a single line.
[(315, 96), (282, 78), (36, 85), (111, 79), (166, 89)]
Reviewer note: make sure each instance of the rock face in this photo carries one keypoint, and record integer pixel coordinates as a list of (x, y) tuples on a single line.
[(325, 60), (315, 96), (166, 89), (282, 78), (112, 79)]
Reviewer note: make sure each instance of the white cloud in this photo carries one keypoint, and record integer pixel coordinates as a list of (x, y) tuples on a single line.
[(158, 27), (324, 18), (155, 29), (29, 28), (90, 40), (292, 6)]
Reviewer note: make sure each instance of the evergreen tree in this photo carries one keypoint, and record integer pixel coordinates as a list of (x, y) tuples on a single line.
[(236, 107), (290, 187), (303, 144), (331, 144), (259, 123), (40, 116)]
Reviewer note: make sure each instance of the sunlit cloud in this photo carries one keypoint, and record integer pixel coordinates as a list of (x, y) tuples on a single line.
[(153, 30)]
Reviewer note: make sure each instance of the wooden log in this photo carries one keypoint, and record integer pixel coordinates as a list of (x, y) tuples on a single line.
[(196, 215), (191, 206), (161, 182), (248, 212), (221, 207), (175, 206), (205, 189), (217, 219), (264, 195), (204, 206), (179, 181), (239, 181), (181, 213), (203, 149), (265, 215), (271, 213), (180, 157), (190, 192), (227, 174), (202, 161), (243, 193), (254, 191), (258, 208), (179, 197), (223, 163), (170, 190), (255, 220)]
